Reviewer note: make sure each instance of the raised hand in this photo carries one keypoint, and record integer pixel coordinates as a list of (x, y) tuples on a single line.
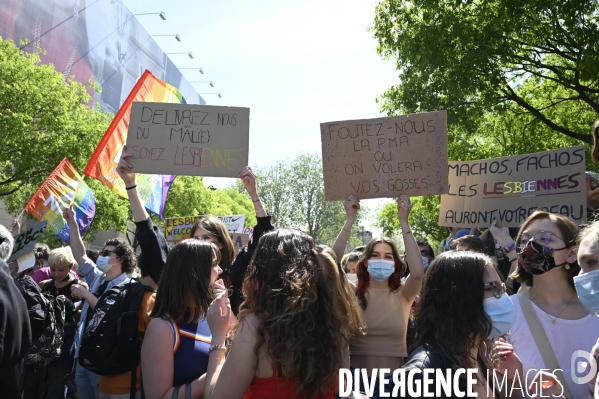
[(501, 234), (352, 206), (124, 169), (509, 363), (69, 215), (219, 316), (404, 206), (249, 181), (15, 227)]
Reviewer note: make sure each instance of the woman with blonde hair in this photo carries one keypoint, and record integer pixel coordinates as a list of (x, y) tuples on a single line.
[(292, 329), (61, 261)]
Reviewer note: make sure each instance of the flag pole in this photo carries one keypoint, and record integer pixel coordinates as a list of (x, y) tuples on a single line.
[(76, 191)]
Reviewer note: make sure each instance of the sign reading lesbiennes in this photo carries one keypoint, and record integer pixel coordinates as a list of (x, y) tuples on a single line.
[(509, 189), (188, 139)]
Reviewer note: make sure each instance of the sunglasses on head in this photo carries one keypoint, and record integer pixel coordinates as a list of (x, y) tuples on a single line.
[(107, 252)]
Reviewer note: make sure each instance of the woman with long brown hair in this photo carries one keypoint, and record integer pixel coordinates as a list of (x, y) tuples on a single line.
[(175, 349), (462, 304), (292, 329)]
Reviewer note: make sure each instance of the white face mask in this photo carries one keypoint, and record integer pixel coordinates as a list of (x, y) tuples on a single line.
[(103, 264), (353, 277)]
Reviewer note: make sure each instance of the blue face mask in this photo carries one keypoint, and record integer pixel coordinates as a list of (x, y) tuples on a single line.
[(102, 263), (425, 262), (587, 288), (380, 269), (502, 313)]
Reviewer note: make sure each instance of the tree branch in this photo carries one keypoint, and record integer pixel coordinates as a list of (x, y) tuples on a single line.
[(540, 116)]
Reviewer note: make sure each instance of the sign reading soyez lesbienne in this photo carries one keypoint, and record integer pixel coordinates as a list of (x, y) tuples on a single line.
[(385, 157), (188, 139), (509, 189)]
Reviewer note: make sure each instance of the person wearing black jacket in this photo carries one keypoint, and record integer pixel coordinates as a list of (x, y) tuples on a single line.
[(454, 322), (155, 249), (15, 335)]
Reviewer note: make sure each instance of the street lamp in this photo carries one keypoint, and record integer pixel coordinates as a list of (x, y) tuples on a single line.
[(219, 95), (204, 81), (190, 54), (200, 69), (161, 14), (172, 34)]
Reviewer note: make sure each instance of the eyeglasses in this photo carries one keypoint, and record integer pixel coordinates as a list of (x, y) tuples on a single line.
[(497, 288), (542, 237), (107, 252)]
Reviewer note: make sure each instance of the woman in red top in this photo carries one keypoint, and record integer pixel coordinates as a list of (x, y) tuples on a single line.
[(292, 331)]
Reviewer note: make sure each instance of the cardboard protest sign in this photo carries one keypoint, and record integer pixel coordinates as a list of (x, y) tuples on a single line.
[(25, 242), (188, 139), (26, 261), (385, 157), (240, 241), (511, 188), (177, 229)]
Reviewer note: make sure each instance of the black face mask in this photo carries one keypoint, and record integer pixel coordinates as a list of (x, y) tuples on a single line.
[(537, 258)]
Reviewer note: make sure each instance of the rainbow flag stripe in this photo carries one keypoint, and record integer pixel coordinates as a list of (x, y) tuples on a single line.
[(56, 193), (153, 189)]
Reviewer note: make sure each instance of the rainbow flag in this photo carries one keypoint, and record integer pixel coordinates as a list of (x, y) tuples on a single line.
[(153, 189), (56, 193)]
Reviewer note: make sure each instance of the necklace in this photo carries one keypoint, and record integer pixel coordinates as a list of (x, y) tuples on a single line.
[(553, 319)]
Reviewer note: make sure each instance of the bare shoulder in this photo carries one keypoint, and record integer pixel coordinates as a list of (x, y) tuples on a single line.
[(159, 327), (248, 328)]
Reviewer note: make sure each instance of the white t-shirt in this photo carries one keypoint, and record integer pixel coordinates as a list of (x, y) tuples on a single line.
[(566, 337)]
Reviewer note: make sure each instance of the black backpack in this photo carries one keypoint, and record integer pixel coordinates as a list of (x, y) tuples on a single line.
[(110, 342), (46, 349)]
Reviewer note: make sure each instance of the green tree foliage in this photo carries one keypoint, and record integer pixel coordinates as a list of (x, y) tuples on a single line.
[(44, 118), (189, 196), (293, 194), (471, 57), (516, 77)]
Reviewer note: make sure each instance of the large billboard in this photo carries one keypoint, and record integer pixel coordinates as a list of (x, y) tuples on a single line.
[(98, 39)]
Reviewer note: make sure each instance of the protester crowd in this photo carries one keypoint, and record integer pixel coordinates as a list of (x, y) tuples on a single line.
[(282, 317)]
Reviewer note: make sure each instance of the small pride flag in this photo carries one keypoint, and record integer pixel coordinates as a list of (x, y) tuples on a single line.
[(57, 193), (153, 189)]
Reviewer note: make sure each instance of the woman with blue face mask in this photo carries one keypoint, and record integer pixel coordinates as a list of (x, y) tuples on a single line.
[(550, 308), (386, 301), (462, 307), (587, 283)]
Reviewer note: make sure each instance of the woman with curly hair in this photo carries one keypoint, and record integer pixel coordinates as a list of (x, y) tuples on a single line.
[(386, 301), (462, 304), (292, 329)]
